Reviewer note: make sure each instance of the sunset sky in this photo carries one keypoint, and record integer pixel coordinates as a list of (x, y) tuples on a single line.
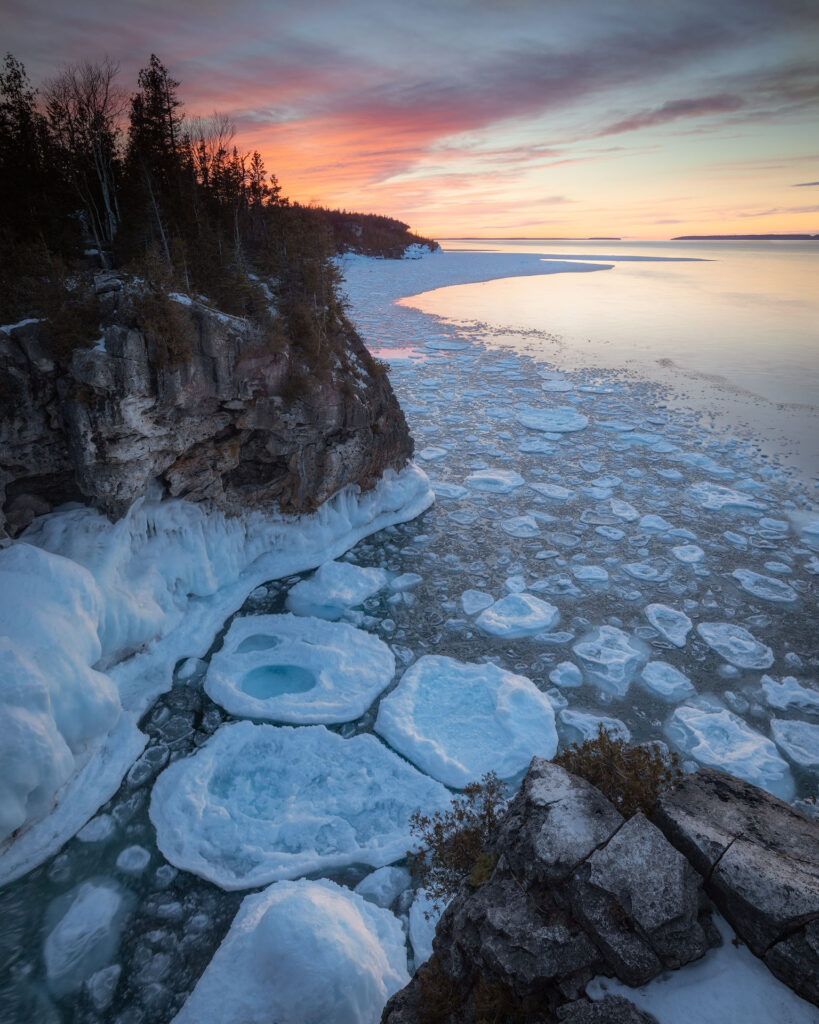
[(636, 118)]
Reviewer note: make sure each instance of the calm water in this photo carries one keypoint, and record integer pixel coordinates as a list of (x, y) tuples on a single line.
[(733, 328)]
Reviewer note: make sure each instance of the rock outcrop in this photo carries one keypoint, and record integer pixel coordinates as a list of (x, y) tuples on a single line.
[(760, 861), (578, 891), (228, 420)]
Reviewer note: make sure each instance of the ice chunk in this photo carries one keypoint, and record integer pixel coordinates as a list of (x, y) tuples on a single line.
[(672, 624), (302, 953), (406, 581), (456, 721), (553, 491), (133, 860), (666, 682), (766, 587), (384, 885), (593, 574), (423, 920), (333, 589), (474, 601), (285, 668), (444, 489), (496, 481), (623, 510), (798, 741), (715, 736), (587, 726), (789, 693), (610, 659), (258, 803), (521, 526), (554, 421), (567, 675), (715, 498), (98, 829), (85, 936), (517, 615), (688, 554), (102, 986), (736, 645)]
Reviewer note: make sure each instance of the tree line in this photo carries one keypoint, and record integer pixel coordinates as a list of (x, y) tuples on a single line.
[(168, 198)]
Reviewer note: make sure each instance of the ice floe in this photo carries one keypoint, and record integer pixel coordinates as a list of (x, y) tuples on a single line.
[(715, 736), (789, 693), (456, 721), (666, 682), (552, 421), (384, 885), (798, 741), (766, 587), (495, 481), (474, 601), (258, 803), (302, 953), (715, 498), (673, 624), (299, 670), (610, 659), (424, 916), (333, 589), (582, 725), (517, 615), (736, 644)]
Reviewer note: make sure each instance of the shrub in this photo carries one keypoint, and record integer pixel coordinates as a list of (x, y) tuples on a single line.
[(630, 777), (453, 841)]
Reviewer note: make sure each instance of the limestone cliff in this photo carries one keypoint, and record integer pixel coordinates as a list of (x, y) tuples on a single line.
[(228, 419)]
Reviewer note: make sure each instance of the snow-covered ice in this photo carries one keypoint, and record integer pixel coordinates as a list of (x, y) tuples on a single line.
[(517, 615), (766, 587), (474, 601), (384, 885), (717, 737), (423, 920), (567, 675), (302, 953), (286, 668), (673, 624), (736, 645), (258, 803), (789, 693), (610, 659), (798, 741), (457, 721), (333, 589)]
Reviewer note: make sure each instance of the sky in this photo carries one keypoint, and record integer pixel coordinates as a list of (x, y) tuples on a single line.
[(490, 118)]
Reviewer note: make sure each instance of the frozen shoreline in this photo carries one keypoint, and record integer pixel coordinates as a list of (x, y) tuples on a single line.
[(166, 577)]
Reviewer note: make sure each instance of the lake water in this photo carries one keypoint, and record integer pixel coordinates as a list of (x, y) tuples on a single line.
[(732, 328)]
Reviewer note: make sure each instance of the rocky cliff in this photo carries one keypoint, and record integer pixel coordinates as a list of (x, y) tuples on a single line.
[(577, 891), (226, 417)]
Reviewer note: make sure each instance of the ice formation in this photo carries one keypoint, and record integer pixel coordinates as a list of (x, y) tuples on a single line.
[(474, 601), (736, 645), (566, 674), (585, 726), (610, 659), (302, 953), (717, 737), (495, 481), (458, 721), (384, 885), (333, 589), (285, 668), (789, 693), (666, 682), (798, 741), (674, 625), (423, 920), (517, 615), (86, 934), (553, 421), (81, 594), (258, 803), (766, 587)]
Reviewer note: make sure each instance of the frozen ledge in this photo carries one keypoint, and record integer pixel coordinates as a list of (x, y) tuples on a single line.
[(161, 581)]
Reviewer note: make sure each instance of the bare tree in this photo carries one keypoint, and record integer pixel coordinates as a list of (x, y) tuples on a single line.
[(84, 107)]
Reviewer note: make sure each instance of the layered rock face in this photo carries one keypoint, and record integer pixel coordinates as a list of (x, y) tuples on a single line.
[(577, 891), (223, 423)]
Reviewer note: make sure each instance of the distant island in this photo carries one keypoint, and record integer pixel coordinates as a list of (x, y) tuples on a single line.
[(745, 238), (535, 238)]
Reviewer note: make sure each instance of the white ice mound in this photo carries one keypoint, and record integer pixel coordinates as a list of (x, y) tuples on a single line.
[(457, 721), (302, 953), (298, 670), (384, 885), (86, 934), (335, 588), (666, 682), (766, 587), (517, 615), (561, 420), (54, 707), (610, 659), (672, 624), (495, 481), (798, 741), (736, 645), (717, 737), (258, 803)]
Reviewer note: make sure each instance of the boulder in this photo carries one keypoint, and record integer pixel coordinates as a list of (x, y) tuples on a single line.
[(760, 861)]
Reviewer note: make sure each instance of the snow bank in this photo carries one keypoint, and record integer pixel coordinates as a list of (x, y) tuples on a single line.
[(96, 614), (302, 953), (258, 803)]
